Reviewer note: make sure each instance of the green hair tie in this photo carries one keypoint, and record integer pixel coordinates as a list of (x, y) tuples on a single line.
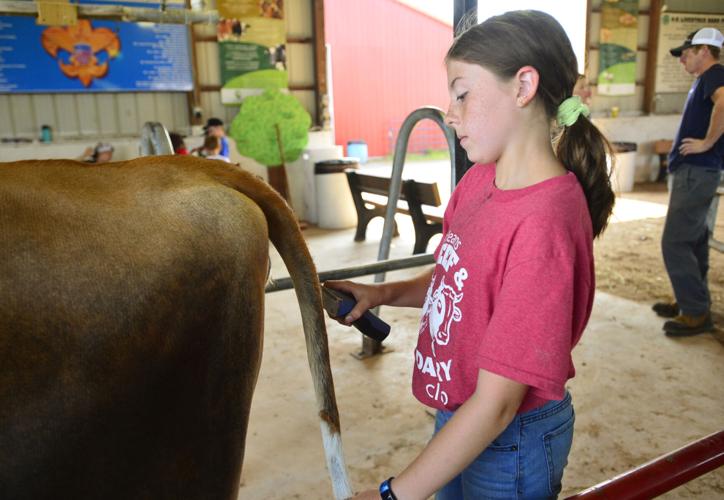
[(570, 110)]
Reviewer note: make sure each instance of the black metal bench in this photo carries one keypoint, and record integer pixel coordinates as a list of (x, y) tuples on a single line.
[(415, 194)]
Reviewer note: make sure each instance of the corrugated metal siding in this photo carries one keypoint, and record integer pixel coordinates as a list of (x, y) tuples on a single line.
[(387, 60), (89, 115), (75, 116)]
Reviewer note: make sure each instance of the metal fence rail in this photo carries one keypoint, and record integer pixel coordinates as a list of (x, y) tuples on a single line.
[(661, 474), (356, 271)]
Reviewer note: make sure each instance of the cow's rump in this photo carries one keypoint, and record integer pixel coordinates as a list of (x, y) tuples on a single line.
[(131, 309)]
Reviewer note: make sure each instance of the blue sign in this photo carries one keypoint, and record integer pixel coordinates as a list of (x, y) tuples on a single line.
[(93, 56)]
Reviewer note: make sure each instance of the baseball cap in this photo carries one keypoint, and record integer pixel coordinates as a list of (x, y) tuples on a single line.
[(213, 122), (103, 147), (704, 36)]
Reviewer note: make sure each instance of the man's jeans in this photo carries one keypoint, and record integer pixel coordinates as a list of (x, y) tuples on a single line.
[(525, 462), (685, 242)]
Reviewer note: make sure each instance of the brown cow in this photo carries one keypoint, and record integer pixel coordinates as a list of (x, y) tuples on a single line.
[(131, 310)]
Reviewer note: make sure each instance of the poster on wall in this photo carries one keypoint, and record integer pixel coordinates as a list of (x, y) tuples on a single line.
[(93, 56), (252, 48), (673, 29), (617, 47)]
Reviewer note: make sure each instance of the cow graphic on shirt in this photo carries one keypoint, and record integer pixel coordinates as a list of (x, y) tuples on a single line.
[(440, 311)]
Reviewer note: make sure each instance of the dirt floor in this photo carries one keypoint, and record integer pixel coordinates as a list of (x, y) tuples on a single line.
[(637, 393)]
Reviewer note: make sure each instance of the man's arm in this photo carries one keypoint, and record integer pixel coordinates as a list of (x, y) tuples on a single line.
[(690, 145)]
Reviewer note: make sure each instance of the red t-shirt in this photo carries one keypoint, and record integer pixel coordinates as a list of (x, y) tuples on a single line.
[(511, 292)]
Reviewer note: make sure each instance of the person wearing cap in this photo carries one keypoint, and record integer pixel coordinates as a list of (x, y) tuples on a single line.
[(101, 153), (695, 164), (215, 127)]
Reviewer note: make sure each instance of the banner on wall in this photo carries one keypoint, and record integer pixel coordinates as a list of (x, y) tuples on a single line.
[(93, 56), (674, 27), (617, 47), (252, 48)]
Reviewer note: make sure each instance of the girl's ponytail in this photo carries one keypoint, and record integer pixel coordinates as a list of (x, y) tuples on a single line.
[(583, 149)]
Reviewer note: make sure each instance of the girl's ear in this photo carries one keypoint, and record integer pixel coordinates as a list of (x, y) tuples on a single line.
[(526, 79)]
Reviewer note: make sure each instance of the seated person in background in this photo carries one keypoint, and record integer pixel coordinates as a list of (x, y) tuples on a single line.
[(215, 127), (211, 149), (177, 141), (101, 153)]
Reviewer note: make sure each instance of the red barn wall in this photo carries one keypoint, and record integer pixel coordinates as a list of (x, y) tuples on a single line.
[(387, 60)]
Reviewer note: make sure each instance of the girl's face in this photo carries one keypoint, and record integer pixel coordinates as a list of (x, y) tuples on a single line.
[(482, 110)]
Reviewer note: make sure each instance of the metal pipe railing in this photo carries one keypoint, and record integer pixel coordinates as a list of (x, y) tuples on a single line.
[(429, 113), (370, 346), (661, 474), (154, 140), (356, 271)]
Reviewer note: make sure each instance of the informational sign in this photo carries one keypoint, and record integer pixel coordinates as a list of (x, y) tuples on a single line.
[(93, 56), (252, 48), (673, 29), (617, 47)]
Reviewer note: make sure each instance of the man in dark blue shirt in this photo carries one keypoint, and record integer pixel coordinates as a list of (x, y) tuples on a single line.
[(695, 164)]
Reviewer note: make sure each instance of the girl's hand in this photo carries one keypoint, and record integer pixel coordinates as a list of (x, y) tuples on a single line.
[(367, 297), (367, 495)]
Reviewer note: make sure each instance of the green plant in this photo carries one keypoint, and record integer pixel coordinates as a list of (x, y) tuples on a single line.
[(273, 129)]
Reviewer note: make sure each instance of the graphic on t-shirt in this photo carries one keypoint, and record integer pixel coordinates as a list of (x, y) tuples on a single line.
[(440, 311)]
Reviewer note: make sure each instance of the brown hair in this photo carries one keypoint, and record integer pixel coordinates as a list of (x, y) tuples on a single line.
[(504, 44), (211, 143), (177, 141), (714, 51)]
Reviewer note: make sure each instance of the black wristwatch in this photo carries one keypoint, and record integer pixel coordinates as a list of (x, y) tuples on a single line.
[(386, 492)]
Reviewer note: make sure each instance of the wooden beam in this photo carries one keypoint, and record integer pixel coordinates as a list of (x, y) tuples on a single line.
[(587, 44), (320, 60), (194, 97), (639, 48), (642, 12), (292, 39), (653, 49), (217, 88)]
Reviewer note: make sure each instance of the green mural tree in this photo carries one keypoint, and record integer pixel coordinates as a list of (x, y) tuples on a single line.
[(273, 129)]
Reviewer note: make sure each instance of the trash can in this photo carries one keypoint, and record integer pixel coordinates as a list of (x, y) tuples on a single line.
[(357, 149), (335, 208), (624, 169)]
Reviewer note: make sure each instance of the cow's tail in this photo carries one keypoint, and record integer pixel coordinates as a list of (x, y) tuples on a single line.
[(286, 236)]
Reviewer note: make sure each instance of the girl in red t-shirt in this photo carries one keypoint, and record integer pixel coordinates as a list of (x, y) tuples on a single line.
[(513, 283)]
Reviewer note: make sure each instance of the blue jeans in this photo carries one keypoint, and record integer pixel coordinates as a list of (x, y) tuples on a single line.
[(685, 241), (525, 461)]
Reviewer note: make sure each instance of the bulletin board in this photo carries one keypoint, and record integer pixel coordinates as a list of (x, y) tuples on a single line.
[(673, 29), (93, 56)]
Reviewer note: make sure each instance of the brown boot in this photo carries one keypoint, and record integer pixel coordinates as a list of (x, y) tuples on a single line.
[(666, 309), (684, 325)]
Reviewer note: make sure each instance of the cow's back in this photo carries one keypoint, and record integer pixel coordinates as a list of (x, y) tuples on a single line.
[(131, 301)]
